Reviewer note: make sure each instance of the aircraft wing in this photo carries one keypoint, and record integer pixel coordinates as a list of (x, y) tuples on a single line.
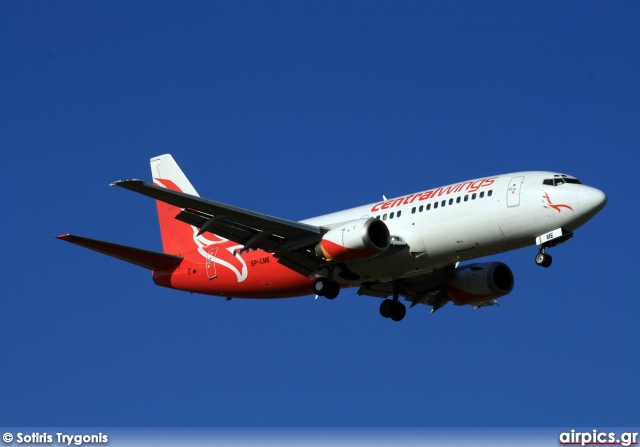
[(291, 242), (426, 288)]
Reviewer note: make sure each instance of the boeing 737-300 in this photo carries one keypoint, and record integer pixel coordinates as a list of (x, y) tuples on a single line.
[(409, 246)]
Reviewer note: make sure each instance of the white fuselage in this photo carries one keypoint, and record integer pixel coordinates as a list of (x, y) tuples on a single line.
[(471, 219)]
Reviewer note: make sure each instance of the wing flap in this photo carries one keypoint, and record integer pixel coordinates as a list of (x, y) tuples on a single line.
[(298, 261), (235, 217), (377, 289), (425, 288), (148, 259), (288, 240), (224, 227)]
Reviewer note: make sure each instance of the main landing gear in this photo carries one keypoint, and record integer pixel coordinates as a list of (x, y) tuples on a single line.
[(326, 288), (389, 308), (393, 309)]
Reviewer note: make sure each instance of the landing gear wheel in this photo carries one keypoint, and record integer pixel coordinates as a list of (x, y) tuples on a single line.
[(328, 289), (544, 259), (399, 311), (332, 291), (386, 308), (321, 286), (394, 309)]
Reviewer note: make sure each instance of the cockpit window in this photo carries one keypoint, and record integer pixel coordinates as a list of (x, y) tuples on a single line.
[(560, 180)]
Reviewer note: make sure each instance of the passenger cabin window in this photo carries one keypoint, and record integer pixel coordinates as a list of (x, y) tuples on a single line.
[(399, 212), (391, 215), (459, 199)]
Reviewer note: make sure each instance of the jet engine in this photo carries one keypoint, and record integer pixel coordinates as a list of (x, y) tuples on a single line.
[(480, 282), (355, 240)]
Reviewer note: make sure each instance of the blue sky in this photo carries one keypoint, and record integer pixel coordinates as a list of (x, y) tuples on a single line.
[(298, 109)]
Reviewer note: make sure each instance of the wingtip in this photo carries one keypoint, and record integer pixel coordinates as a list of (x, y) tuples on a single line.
[(123, 182)]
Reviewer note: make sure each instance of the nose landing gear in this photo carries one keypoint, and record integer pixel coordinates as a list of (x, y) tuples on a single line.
[(548, 240), (543, 259)]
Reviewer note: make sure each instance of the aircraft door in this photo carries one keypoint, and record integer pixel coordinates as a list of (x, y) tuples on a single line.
[(212, 252), (513, 192)]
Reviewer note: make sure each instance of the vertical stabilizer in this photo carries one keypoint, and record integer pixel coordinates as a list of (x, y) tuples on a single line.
[(164, 167), (177, 237)]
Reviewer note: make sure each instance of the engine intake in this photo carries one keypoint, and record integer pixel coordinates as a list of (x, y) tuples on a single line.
[(355, 240)]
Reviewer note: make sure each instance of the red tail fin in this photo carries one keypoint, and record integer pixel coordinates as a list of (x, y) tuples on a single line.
[(177, 237)]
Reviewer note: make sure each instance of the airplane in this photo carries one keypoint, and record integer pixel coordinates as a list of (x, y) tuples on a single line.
[(410, 246)]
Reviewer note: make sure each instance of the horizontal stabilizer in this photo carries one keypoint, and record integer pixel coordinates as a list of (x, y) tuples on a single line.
[(148, 259)]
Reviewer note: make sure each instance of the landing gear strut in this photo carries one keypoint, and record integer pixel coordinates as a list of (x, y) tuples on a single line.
[(393, 309), (552, 239)]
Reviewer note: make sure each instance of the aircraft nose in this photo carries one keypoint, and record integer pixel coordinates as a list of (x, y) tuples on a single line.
[(591, 200)]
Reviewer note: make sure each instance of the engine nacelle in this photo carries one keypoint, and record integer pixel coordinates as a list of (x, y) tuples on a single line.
[(355, 240), (480, 282)]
